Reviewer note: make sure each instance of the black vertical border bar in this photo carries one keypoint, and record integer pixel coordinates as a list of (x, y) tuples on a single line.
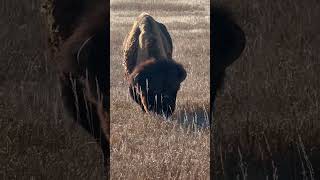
[(108, 85), (212, 132), (214, 76)]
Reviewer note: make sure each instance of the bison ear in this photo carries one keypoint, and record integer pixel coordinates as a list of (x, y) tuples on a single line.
[(182, 74)]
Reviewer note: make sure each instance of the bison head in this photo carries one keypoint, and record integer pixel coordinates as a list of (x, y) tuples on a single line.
[(154, 85)]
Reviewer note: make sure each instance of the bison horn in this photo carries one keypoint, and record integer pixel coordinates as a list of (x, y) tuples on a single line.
[(82, 47), (142, 98), (144, 102)]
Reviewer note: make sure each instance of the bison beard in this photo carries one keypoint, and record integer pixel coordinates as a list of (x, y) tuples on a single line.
[(84, 66), (154, 77)]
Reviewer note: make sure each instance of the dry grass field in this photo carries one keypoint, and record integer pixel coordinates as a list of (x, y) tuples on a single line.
[(268, 113), (149, 147)]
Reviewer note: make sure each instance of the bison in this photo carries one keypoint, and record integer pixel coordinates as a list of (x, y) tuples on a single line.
[(154, 77), (228, 42), (83, 63)]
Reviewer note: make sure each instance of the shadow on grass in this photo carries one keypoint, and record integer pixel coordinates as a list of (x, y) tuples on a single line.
[(197, 117), (190, 117)]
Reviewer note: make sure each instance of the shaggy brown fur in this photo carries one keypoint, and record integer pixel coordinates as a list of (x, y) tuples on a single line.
[(84, 66), (154, 77), (147, 38)]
